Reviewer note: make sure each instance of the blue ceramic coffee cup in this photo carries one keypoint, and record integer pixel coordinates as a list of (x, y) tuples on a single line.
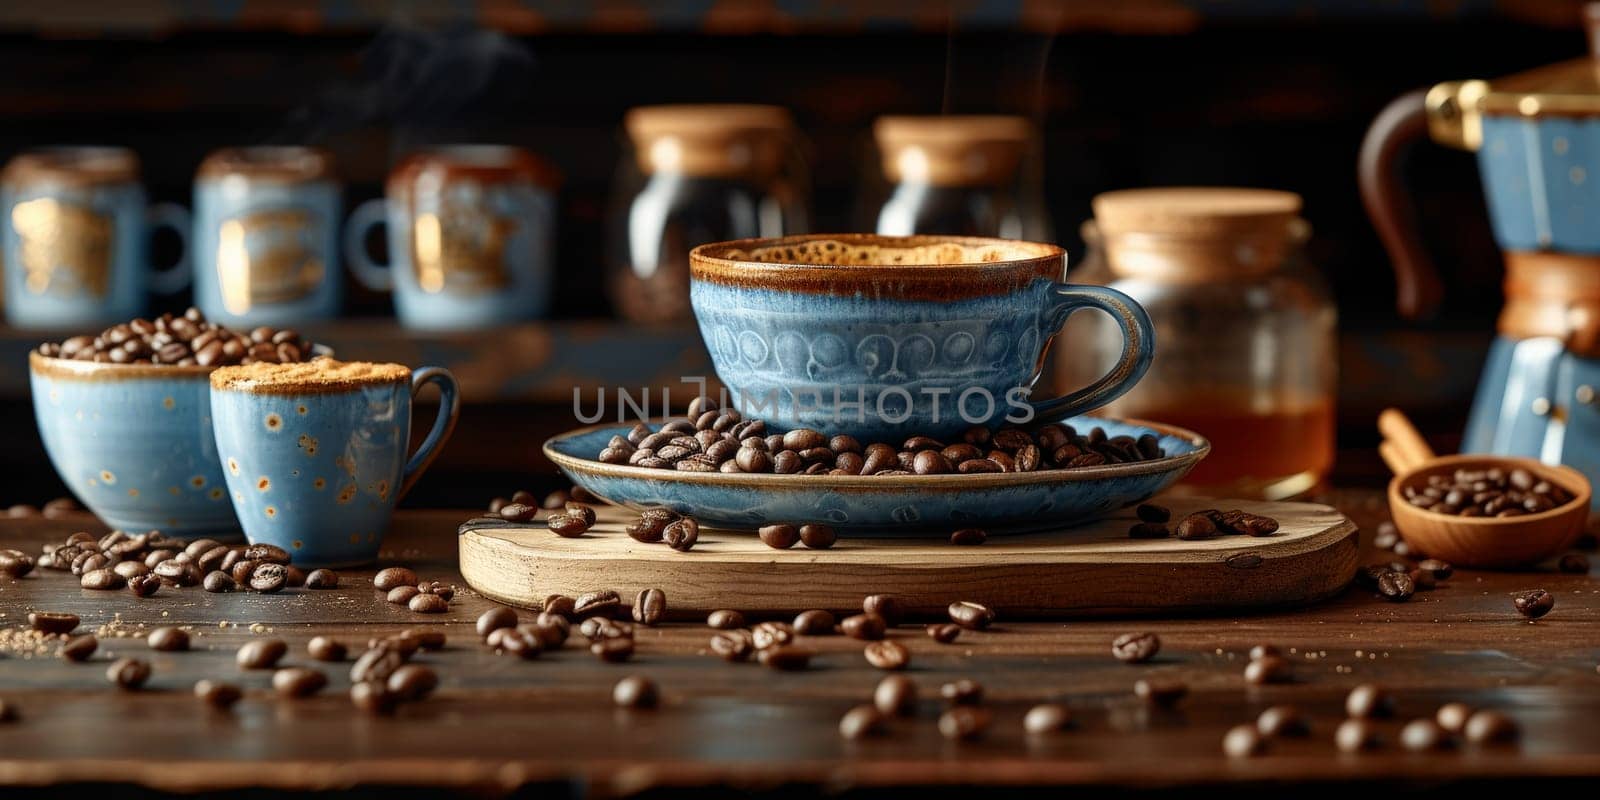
[(133, 442), (76, 229), (883, 337), (314, 454), (266, 237)]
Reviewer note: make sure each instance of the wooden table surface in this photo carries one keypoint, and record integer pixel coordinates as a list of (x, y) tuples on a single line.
[(498, 724)]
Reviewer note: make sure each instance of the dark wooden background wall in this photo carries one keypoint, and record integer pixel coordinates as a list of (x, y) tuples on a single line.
[(1127, 94)]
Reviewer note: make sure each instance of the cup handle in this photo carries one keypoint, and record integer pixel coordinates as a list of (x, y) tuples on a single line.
[(175, 278), (443, 424), (372, 275), (1138, 346)]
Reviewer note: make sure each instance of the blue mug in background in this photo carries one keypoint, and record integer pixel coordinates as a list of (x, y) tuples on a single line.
[(77, 238), (471, 230), (314, 454), (266, 234)]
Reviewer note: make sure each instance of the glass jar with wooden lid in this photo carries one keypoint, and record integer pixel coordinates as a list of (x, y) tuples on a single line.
[(963, 175), (1246, 348)]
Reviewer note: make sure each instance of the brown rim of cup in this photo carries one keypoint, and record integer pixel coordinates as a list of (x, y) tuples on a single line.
[(288, 164), (92, 371), (71, 166)]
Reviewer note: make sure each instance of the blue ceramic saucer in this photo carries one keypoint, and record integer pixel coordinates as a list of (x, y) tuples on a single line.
[(917, 505)]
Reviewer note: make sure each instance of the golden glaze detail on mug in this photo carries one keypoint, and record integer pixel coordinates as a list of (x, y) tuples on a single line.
[(65, 248), (483, 163), (266, 257), (91, 371), (288, 164), (908, 268), (322, 376)]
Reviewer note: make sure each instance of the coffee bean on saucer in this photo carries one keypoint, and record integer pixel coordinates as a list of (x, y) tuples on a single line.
[(216, 694), (391, 577), (168, 640), (635, 691), (1268, 669), (861, 722), (1160, 692), (682, 534), (1490, 727), (261, 653), (1282, 722), (323, 648), (964, 722), (725, 619), (779, 536), (863, 626), (817, 536), (944, 633), (1135, 648), (1534, 604), (80, 648), (887, 654), (269, 577), (649, 607), (969, 536), (128, 673), (298, 681), (1368, 701), (970, 615), (815, 622), (567, 526), (322, 579), (1243, 741), (52, 622), (428, 604)]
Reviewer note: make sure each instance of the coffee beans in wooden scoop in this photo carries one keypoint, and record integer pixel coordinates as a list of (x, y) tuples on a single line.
[(1490, 492)]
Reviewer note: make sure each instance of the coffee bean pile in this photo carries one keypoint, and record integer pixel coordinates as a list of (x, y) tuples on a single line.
[(1205, 524), (599, 616), (185, 341), (144, 563), (402, 587), (713, 439), (1487, 493), (1397, 581), (383, 676)]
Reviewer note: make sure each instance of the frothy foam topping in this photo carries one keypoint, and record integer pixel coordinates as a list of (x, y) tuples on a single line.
[(830, 252), (312, 377)]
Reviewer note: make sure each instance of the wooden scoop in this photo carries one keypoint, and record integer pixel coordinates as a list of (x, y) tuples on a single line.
[(1488, 542)]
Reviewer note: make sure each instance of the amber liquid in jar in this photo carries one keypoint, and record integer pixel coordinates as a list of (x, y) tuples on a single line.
[(1277, 451)]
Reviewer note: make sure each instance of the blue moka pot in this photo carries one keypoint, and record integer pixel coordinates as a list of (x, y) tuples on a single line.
[(1537, 136)]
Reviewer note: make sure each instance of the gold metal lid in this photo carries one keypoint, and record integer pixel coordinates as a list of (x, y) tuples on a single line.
[(952, 150), (710, 140), (288, 164), (72, 166), (1197, 233)]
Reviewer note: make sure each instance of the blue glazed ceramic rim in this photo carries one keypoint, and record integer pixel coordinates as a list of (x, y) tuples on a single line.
[(1179, 464)]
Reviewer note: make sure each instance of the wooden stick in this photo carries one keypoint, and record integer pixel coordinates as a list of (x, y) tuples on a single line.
[(1408, 444), (1393, 457)]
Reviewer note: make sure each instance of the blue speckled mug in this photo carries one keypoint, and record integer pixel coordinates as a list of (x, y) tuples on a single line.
[(314, 454), (883, 337), (133, 442)]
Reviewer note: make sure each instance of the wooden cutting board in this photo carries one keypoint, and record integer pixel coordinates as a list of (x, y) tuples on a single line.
[(1092, 569)]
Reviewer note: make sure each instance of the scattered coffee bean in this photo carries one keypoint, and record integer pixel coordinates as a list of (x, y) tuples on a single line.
[(596, 628), (1396, 587), (1046, 718), (780, 536), (1283, 722), (895, 695), (298, 681), (268, 578), (581, 511), (1491, 727), (80, 648), (1149, 512), (559, 604), (771, 634), (682, 534), (1243, 741), (815, 622), (1453, 716), (1534, 604), (430, 640), (1159, 692), (887, 654), (241, 571), (1421, 735), (635, 691), (861, 722), (597, 604), (1356, 735), (652, 525), (1440, 570), (725, 619), (650, 607), (128, 673), (412, 682), (15, 563), (373, 697), (518, 512), (969, 537), (216, 694), (567, 526), (261, 653), (884, 605), (391, 577), (428, 604), (322, 579), (1264, 650), (1196, 526), (786, 658), (943, 633), (102, 580), (970, 615), (1268, 669), (52, 622), (1136, 648), (613, 650), (1574, 563), (869, 627), (963, 723), (323, 648), (1368, 701), (144, 585), (494, 619), (963, 692), (168, 640), (733, 645), (818, 536), (402, 595)]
